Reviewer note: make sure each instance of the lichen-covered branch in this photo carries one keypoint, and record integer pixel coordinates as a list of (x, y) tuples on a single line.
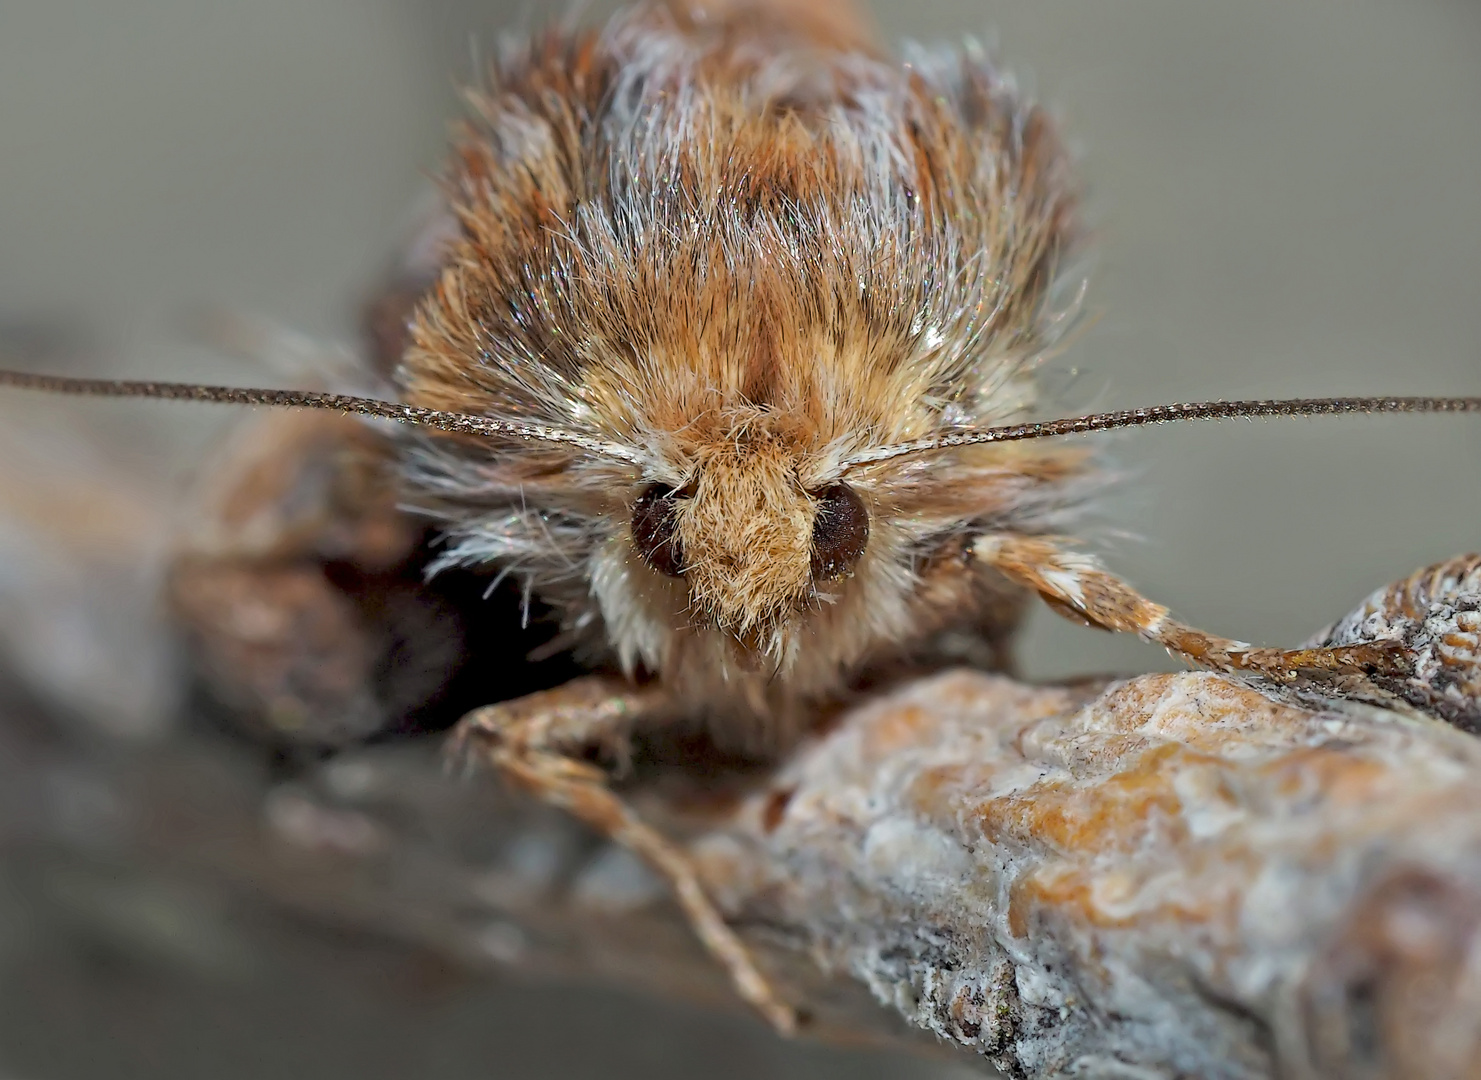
[(1176, 874), (1173, 875)]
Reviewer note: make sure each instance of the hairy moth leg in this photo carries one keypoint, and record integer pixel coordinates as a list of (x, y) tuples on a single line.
[(532, 740), (1077, 587)]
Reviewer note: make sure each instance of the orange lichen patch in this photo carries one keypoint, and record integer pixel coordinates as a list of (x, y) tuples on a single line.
[(1107, 900), (1110, 899), (1124, 897), (900, 729), (1202, 710), (936, 788), (1114, 815), (1333, 776)]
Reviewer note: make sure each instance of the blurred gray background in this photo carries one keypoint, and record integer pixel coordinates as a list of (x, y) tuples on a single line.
[(1287, 199)]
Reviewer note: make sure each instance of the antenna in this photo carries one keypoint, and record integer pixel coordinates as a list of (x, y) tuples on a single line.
[(454, 422), (488, 427), (1167, 414)]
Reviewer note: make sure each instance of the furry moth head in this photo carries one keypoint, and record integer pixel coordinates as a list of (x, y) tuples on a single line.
[(745, 255)]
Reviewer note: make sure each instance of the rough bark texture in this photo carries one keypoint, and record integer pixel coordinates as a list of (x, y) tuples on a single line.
[(1174, 875), (1177, 874)]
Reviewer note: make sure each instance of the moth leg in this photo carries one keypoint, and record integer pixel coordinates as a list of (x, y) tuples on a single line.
[(533, 741), (1076, 586)]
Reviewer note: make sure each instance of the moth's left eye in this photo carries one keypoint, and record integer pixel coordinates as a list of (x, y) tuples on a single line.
[(655, 524), (840, 533)]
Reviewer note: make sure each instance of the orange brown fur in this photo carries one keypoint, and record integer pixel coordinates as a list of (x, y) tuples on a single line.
[(745, 247)]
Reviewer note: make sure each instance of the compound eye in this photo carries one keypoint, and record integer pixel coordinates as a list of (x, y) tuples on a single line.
[(655, 524), (840, 533)]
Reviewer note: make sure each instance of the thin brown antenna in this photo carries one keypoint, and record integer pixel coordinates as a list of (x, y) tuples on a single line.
[(1167, 414), (454, 422)]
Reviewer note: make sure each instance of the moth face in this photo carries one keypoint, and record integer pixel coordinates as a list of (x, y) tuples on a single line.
[(752, 544)]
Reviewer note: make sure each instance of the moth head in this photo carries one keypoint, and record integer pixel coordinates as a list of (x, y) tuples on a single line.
[(753, 543)]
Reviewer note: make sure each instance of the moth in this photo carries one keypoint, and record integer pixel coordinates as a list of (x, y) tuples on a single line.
[(730, 351)]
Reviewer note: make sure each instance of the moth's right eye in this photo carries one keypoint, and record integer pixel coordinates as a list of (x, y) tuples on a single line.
[(655, 523)]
